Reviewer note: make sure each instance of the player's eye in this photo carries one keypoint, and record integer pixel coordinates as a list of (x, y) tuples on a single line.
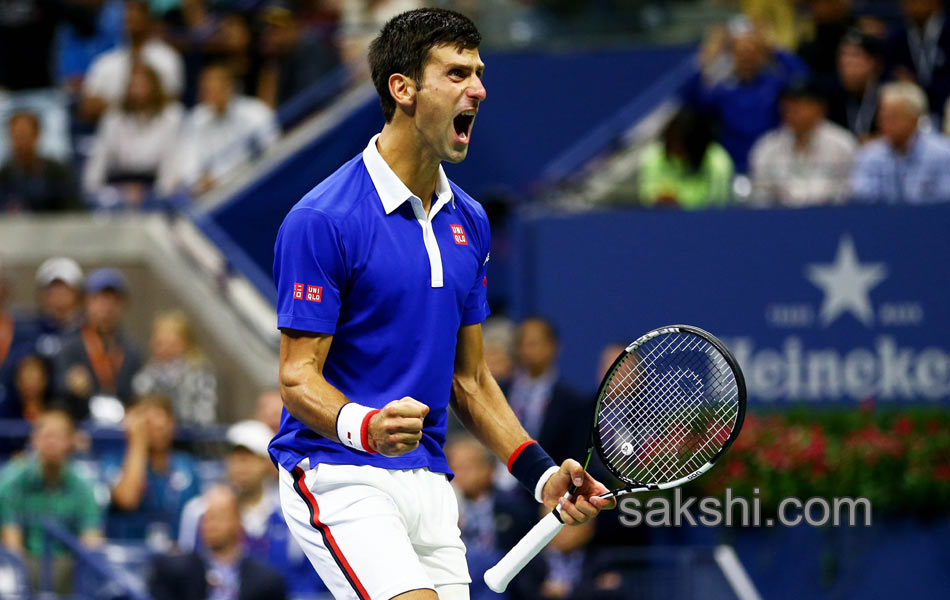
[(457, 73)]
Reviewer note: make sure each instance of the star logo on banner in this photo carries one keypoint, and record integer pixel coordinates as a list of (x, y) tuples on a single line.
[(847, 284)]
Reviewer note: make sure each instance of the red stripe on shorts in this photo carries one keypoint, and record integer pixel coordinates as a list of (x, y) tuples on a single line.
[(335, 552)]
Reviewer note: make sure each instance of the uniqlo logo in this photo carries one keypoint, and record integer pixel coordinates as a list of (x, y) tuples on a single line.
[(298, 291), (459, 234), (315, 293)]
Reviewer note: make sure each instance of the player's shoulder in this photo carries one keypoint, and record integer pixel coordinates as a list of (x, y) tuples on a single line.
[(338, 196), (467, 204)]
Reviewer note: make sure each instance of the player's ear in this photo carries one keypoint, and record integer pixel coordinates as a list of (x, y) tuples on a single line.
[(403, 90)]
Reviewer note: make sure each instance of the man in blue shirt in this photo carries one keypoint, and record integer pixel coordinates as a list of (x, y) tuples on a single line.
[(381, 275), (907, 164), (151, 483), (740, 86)]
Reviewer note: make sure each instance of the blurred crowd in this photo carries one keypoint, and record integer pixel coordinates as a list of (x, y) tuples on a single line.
[(208, 517), (811, 103), (128, 103), (70, 373), (586, 561)]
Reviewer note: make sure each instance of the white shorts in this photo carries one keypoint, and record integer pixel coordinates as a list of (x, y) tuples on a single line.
[(373, 534)]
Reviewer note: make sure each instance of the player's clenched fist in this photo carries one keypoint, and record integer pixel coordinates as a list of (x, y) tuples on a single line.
[(397, 427)]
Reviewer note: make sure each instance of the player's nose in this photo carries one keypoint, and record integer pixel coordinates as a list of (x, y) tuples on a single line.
[(477, 90)]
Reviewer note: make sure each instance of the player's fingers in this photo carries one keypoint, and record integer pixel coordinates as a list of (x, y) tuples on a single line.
[(403, 425), (574, 471), (566, 518), (604, 503), (569, 508), (584, 505), (407, 407), (394, 439)]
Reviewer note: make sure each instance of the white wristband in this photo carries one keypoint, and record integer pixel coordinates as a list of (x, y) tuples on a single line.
[(352, 426), (544, 479)]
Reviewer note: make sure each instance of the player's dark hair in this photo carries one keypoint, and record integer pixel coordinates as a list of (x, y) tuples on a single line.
[(403, 46)]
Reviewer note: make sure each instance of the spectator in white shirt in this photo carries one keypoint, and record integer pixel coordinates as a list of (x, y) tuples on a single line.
[(807, 160), (135, 145), (107, 79), (223, 132)]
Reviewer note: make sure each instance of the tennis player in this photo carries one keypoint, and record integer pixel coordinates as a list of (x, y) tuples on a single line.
[(380, 273)]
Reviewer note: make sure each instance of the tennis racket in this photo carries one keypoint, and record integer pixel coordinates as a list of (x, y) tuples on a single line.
[(668, 408)]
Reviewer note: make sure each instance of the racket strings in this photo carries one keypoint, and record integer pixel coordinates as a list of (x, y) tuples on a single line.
[(667, 409), (675, 439)]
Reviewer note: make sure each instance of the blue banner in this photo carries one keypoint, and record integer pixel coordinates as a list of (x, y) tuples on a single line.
[(823, 305)]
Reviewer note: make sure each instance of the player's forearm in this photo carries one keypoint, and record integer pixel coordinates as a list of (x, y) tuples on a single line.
[(310, 399), (483, 409)]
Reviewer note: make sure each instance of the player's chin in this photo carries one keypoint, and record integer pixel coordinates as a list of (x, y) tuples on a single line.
[(456, 153)]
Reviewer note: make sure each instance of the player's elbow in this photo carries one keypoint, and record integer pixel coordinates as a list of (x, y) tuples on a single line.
[(291, 380)]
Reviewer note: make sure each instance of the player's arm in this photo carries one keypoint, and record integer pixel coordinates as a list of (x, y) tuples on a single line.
[(481, 406), (311, 399)]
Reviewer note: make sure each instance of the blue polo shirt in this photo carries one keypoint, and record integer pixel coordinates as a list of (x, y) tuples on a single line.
[(358, 258)]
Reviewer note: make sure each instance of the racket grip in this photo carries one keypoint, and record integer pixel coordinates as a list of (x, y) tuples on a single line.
[(499, 576)]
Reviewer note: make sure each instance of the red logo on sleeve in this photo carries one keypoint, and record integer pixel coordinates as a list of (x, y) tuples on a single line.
[(298, 291), (459, 234), (315, 293)]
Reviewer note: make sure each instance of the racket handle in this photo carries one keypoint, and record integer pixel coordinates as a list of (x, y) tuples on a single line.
[(499, 576)]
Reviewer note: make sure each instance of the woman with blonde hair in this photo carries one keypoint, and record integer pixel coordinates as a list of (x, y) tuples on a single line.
[(178, 369)]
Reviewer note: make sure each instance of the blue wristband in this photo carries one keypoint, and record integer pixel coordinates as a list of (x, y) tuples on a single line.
[(528, 463)]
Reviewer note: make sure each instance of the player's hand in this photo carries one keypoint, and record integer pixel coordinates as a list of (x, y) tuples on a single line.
[(397, 428), (584, 504)]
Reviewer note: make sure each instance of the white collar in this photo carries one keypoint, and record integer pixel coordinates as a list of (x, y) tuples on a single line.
[(392, 191)]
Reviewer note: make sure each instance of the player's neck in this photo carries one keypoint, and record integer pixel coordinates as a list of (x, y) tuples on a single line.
[(411, 160)]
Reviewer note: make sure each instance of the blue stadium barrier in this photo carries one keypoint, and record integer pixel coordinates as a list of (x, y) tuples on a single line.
[(95, 577), (530, 129), (310, 99), (14, 582)]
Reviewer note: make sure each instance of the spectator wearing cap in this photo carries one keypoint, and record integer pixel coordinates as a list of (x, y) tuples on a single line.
[(223, 132), (150, 483), (59, 295), (251, 475), (739, 85), (807, 160), (919, 50), (176, 368), (99, 360), (29, 181), (908, 164), (853, 96)]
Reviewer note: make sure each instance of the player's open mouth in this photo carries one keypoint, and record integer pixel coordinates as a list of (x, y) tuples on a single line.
[(463, 125)]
